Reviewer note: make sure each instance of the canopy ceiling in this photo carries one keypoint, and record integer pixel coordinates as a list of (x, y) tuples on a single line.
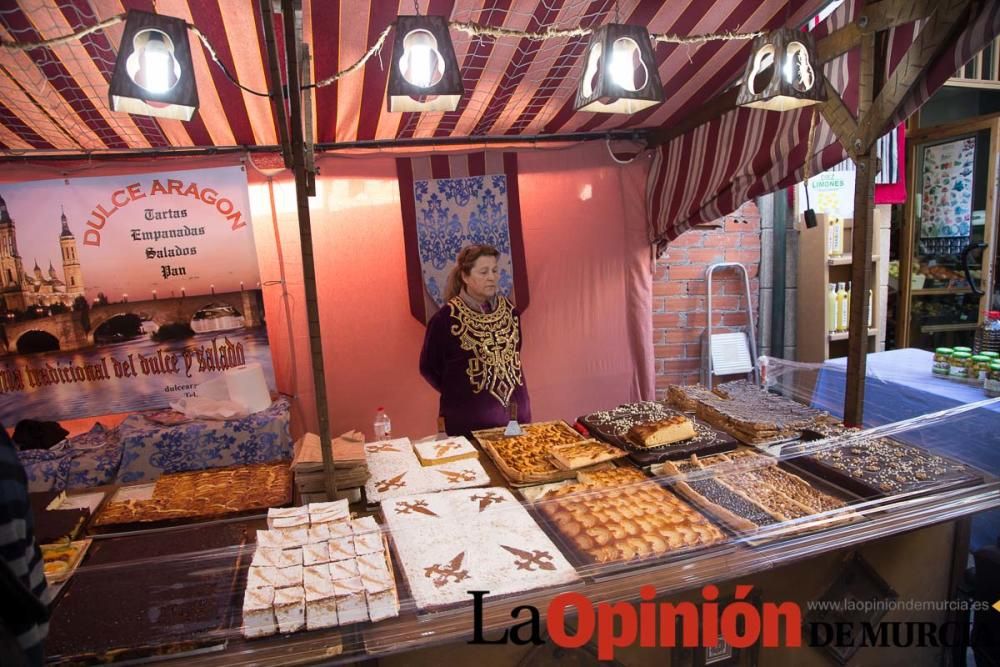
[(54, 98)]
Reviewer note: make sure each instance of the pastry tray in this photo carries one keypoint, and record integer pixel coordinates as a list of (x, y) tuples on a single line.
[(77, 548), (647, 456), (587, 567), (780, 531), (860, 488), (515, 478), (174, 592)]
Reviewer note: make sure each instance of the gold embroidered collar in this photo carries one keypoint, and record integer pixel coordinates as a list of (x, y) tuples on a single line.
[(492, 338)]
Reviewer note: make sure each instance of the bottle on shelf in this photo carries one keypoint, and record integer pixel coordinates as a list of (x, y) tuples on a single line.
[(988, 334), (835, 238), (871, 313), (831, 308), (383, 427), (841, 307)]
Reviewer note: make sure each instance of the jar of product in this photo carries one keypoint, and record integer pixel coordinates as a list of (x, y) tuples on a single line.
[(942, 360), (979, 368), (993, 356), (962, 349), (992, 384), (958, 368)]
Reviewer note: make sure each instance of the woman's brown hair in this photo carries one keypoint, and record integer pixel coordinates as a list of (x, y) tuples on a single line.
[(463, 265)]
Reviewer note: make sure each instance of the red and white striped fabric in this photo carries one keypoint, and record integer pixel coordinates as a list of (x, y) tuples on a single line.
[(55, 98), (710, 171)]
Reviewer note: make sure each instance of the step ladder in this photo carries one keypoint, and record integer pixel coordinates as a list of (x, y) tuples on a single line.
[(729, 353)]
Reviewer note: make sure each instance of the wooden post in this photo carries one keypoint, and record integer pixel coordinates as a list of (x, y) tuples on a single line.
[(861, 265), (302, 178)]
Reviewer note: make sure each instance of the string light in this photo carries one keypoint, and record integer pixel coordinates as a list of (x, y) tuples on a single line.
[(469, 28)]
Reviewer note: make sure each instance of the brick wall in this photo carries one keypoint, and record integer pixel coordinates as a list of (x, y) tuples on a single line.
[(679, 297)]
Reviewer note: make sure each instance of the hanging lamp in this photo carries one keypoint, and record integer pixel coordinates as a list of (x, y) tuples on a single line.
[(620, 73), (154, 75), (781, 73), (423, 70)]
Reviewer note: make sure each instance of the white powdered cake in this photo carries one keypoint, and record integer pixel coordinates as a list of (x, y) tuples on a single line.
[(330, 511), (311, 576), (277, 557), (290, 609), (285, 523), (341, 548), (445, 451), (351, 605), (318, 533), (343, 569), (477, 539), (262, 576), (258, 612), (396, 471), (321, 602), (289, 576), (315, 554), (270, 538), (274, 513)]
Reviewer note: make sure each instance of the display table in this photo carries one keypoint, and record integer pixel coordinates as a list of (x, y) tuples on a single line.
[(150, 449), (899, 385)]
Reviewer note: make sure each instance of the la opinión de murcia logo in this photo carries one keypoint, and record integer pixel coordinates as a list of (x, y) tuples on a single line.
[(739, 623)]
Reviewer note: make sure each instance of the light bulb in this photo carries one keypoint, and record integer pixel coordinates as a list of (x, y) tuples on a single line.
[(420, 65), (622, 68), (156, 61)]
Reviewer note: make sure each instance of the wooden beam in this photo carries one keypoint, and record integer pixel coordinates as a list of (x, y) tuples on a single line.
[(839, 118), (302, 178), (933, 38), (880, 16), (275, 93)]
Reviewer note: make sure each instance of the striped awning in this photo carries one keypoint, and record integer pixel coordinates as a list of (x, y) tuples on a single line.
[(54, 98), (709, 172)]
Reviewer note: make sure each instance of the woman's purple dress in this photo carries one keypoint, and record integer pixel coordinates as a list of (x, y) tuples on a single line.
[(473, 358)]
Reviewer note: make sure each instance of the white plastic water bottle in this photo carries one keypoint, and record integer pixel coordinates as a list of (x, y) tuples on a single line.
[(383, 427)]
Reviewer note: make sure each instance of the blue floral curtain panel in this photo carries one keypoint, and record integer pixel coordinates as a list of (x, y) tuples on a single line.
[(449, 202)]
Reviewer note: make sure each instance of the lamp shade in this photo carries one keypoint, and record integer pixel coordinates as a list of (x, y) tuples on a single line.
[(619, 71), (423, 70), (153, 74), (781, 74)]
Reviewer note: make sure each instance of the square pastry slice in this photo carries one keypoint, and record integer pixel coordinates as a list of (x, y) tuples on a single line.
[(321, 603), (574, 455), (351, 605), (294, 537), (277, 557), (274, 513), (270, 538), (258, 612), (344, 569), (315, 554), (367, 543), (445, 451), (341, 548), (290, 609), (330, 511), (338, 529), (663, 432), (315, 575), (289, 576), (262, 576), (365, 524), (318, 533)]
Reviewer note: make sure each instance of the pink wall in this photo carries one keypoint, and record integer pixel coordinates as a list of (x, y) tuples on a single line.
[(587, 332), (585, 243)]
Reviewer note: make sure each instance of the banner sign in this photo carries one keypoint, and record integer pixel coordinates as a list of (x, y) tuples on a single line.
[(122, 293), (449, 202)]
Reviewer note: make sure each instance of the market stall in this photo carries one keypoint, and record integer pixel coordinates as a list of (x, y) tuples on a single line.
[(327, 264)]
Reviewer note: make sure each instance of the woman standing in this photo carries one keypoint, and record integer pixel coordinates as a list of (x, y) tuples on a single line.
[(472, 349)]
